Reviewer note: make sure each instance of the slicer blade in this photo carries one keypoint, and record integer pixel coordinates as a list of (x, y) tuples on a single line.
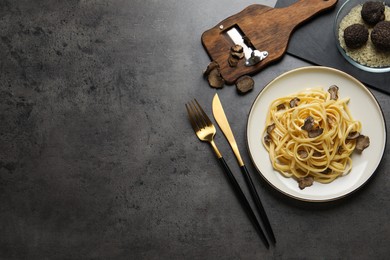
[(252, 55), (237, 38)]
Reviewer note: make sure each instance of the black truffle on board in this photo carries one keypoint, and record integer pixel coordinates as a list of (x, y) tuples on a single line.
[(380, 35), (373, 12), (355, 35)]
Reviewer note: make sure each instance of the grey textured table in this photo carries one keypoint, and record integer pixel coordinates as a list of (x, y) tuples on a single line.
[(98, 159)]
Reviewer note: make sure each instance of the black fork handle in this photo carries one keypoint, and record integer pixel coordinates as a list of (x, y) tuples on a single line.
[(259, 205), (244, 202)]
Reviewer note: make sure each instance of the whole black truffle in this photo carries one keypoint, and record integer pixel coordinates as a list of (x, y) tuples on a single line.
[(373, 12), (355, 35), (380, 35)]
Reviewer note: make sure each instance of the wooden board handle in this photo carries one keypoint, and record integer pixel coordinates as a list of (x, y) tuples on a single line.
[(268, 29), (303, 10)]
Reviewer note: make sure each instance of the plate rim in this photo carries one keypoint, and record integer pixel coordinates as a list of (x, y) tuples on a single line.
[(325, 68)]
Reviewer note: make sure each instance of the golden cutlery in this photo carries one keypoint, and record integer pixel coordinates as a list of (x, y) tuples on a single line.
[(205, 130), (220, 117)]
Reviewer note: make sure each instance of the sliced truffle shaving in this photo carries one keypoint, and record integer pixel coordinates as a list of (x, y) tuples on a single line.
[(362, 142), (237, 48), (302, 154), (308, 124), (315, 132), (270, 128), (267, 139), (215, 79), (280, 107), (305, 182), (244, 84), (333, 91), (237, 55), (294, 102), (212, 65), (233, 61), (353, 135)]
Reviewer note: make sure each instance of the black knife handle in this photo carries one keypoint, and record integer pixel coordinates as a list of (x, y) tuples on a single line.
[(258, 203), (244, 202)]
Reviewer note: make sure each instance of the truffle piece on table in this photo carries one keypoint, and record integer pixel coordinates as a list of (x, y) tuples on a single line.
[(245, 84), (213, 75), (215, 79)]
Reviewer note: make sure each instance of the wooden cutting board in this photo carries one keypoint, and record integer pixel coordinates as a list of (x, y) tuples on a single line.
[(268, 29)]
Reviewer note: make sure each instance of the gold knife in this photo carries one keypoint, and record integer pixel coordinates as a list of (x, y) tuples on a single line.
[(220, 117)]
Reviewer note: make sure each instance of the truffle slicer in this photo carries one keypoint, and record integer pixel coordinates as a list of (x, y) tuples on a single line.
[(264, 32)]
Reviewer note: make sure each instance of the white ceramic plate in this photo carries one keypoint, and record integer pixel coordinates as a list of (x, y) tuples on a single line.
[(364, 108)]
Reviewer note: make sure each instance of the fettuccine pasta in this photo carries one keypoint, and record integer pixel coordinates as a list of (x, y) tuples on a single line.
[(310, 135)]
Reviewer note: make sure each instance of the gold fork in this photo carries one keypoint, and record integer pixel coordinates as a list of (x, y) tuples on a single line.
[(203, 127), (205, 130)]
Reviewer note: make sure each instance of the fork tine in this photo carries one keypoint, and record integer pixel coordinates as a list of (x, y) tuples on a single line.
[(192, 118), (198, 115), (204, 115)]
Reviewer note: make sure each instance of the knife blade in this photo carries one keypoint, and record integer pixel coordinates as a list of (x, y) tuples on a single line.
[(223, 123), (220, 117)]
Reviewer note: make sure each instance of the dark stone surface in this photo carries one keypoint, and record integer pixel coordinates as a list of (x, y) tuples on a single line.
[(98, 159)]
